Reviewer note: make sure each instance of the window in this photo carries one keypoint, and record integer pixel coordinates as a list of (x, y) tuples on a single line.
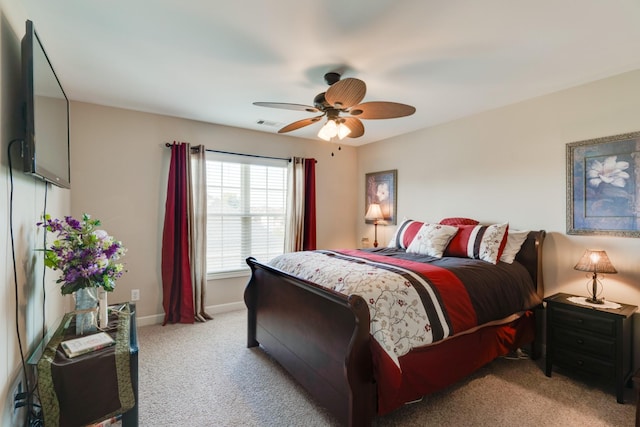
[(246, 207)]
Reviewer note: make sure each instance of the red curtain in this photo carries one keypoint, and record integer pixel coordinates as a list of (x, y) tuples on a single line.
[(176, 270), (309, 240)]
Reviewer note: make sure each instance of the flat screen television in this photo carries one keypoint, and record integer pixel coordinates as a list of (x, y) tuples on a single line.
[(46, 115)]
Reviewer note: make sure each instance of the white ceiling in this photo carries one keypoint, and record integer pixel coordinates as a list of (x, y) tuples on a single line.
[(208, 60)]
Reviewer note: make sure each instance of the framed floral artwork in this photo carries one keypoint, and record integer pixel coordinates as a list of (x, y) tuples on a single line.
[(380, 188), (603, 180)]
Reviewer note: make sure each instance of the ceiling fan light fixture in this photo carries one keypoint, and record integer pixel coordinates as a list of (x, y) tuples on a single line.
[(331, 129), (343, 131)]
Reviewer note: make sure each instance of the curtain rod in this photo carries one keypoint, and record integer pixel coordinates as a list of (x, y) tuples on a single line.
[(235, 154), (238, 154)]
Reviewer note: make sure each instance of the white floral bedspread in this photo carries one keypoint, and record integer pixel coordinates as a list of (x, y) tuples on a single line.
[(399, 321)]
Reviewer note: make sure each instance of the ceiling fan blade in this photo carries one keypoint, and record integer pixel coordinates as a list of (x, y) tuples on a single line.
[(346, 93), (381, 110), (356, 126), (300, 124), (287, 106)]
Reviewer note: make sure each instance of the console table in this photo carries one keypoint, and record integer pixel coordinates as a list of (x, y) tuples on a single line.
[(95, 386)]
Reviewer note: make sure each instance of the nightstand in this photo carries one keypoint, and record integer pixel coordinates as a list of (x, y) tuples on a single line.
[(590, 340), (636, 381)]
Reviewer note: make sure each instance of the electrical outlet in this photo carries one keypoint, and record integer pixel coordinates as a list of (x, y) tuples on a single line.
[(18, 400), (135, 294), (18, 397)]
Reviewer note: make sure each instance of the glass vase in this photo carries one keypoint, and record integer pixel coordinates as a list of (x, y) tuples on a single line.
[(86, 310)]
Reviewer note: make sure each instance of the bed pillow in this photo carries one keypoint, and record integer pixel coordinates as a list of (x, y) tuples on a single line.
[(485, 242), (515, 239), (459, 221), (405, 233), (393, 241), (432, 239)]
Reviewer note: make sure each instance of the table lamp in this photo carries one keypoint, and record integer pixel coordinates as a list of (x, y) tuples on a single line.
[(374, 213), (595, 262)]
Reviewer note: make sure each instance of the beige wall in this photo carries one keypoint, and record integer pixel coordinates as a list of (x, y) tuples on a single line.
[(119, 172)]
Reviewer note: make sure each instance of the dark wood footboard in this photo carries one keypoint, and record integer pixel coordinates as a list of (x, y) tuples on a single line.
[(319, 336)]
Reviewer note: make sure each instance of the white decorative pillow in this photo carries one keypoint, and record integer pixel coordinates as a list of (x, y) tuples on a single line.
[(432, 239), (515, 239), (493, 242)]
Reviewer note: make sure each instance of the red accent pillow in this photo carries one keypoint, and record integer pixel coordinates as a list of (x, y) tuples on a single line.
[(458, 244), (485, 242), (459, 221)]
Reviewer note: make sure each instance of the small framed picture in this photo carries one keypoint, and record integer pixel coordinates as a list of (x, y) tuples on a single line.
[(380, 188)]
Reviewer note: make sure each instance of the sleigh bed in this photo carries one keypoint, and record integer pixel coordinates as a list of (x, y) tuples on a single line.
[(327, 341)]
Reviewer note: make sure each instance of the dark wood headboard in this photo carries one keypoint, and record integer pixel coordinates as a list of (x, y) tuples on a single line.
[(530, 256)]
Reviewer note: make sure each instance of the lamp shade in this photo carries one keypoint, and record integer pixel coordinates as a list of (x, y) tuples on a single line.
[(343, 131), (374, 212), (595, 261)]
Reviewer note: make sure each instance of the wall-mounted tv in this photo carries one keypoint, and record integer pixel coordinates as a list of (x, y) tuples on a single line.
[(46, 114)]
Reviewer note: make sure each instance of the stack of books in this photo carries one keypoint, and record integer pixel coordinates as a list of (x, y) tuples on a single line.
[(77, 346)]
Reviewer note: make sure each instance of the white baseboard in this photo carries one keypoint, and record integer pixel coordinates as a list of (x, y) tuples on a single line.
[(156, 319)]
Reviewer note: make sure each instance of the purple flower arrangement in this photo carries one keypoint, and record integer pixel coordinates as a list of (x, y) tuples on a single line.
[(86, 256)]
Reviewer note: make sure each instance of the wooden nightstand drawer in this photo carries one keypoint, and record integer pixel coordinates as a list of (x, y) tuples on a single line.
[(580, 362), (584, 343), (584, 320)]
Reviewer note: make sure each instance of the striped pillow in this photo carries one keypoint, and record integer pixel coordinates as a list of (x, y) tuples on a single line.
[(485, 242), (405, 233)]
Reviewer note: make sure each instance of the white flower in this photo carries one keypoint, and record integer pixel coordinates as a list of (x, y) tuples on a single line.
[(102, 261), (609, 172), (100, 234)]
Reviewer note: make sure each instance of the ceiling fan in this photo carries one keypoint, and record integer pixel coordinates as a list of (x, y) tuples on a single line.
[(342, 97)]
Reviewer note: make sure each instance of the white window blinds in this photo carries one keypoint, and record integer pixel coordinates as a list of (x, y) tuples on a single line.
[(246, 206)]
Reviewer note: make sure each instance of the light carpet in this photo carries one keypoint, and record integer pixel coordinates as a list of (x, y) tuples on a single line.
[(204, 375)]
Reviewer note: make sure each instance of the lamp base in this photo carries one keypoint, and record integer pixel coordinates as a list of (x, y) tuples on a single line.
[(594, 300), (375, 235)]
